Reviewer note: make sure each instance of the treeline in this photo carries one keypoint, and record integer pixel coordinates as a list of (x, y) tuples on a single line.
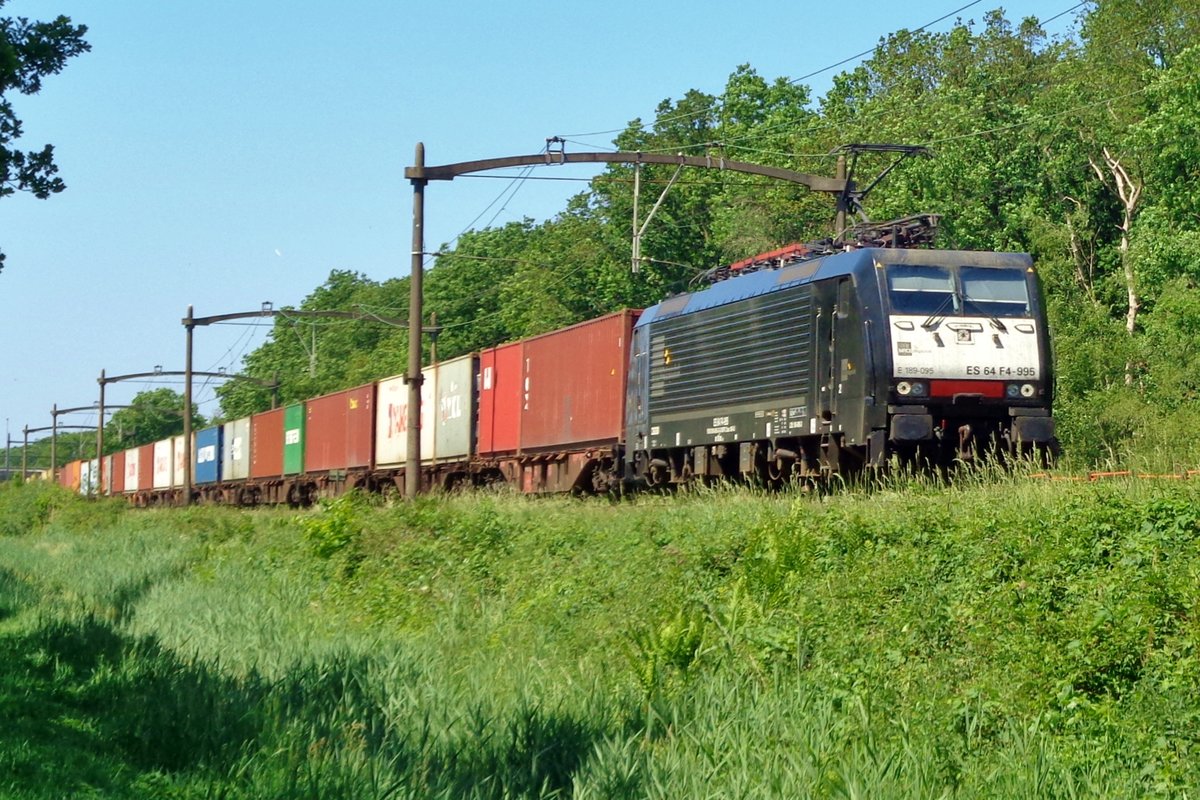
[(1082, 150)]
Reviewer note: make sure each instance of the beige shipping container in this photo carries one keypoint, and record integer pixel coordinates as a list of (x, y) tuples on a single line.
[(235, 450), (391, 421), (177, 456)]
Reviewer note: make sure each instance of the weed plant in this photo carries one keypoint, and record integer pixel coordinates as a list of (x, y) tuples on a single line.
[(990, 636)]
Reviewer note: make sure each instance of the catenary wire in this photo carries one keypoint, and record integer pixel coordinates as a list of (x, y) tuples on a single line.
[(685, 116), (821, 124), (577, 137)]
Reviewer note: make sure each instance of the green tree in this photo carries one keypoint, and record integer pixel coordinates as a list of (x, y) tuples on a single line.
[(468, 287), (29, 52), (314, 356), (154, 415), (1081, 150)]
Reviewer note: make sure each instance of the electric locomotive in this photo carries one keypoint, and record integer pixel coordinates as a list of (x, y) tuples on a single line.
[(833, 364)]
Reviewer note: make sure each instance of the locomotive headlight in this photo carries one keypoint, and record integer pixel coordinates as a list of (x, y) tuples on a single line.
[(918, 389), (1012, 390), (904, 387), (1027, 389)]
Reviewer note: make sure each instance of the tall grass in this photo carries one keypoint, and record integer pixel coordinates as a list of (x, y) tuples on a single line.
[(994, 636)]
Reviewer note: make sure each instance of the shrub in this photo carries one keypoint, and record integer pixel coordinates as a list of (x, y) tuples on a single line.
[(336, 526), (27, 507)]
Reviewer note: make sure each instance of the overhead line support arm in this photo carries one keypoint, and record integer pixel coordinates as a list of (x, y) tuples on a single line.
[(448, 172)]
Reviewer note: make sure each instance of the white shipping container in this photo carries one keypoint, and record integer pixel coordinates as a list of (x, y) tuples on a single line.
[(163, 461), (131, 470), (177, 459), (89, 477), (455, 418), (391, 421), (108, 476), (447, 415), (235, 456)]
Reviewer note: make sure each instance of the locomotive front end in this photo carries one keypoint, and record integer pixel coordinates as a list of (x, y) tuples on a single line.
[(970, 369)]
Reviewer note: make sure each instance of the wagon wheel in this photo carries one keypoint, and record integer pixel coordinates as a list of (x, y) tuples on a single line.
[(604, 478), (779, 470)]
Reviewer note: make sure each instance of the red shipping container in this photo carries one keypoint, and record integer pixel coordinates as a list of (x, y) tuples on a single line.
[(145, 480), (574, 389), (69, 477), (501, 376), (339, 430), (114, 474), (571, 390), (266, 444)]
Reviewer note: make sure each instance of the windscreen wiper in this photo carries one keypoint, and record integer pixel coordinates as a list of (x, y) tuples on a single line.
[(933, 320), (996, 323)]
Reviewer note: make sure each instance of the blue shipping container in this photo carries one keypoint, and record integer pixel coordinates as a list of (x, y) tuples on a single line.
[(208, 455)]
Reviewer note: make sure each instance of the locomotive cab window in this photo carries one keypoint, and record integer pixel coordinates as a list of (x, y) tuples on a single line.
[(966, 291), (916, 289), (994, 292)]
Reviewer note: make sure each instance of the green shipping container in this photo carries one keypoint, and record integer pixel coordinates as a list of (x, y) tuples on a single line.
[(293, 439)]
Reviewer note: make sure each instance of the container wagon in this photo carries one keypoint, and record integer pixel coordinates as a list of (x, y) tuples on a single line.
[(551, 407)]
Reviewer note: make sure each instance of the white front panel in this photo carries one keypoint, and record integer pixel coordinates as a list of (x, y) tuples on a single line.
[(970, 348)]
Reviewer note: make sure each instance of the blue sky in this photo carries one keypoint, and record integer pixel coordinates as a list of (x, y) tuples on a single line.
[(225, 153)]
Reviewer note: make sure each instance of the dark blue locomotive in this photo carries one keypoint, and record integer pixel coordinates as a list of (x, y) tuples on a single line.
[(832, 364)]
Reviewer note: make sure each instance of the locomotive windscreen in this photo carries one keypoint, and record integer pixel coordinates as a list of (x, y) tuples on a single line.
[(917, 289), (966, 290), (994, 292)]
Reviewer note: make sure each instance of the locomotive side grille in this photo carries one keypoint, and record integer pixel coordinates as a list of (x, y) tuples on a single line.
[(756, 349)]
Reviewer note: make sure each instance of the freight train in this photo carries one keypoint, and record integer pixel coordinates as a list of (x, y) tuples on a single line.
[(797, 366)]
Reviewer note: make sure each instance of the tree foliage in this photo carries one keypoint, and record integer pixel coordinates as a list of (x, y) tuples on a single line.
[(1082, 150), (29, 52), (154, 415)]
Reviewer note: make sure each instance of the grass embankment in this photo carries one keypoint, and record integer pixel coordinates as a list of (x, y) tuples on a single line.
[(1014, 639)]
